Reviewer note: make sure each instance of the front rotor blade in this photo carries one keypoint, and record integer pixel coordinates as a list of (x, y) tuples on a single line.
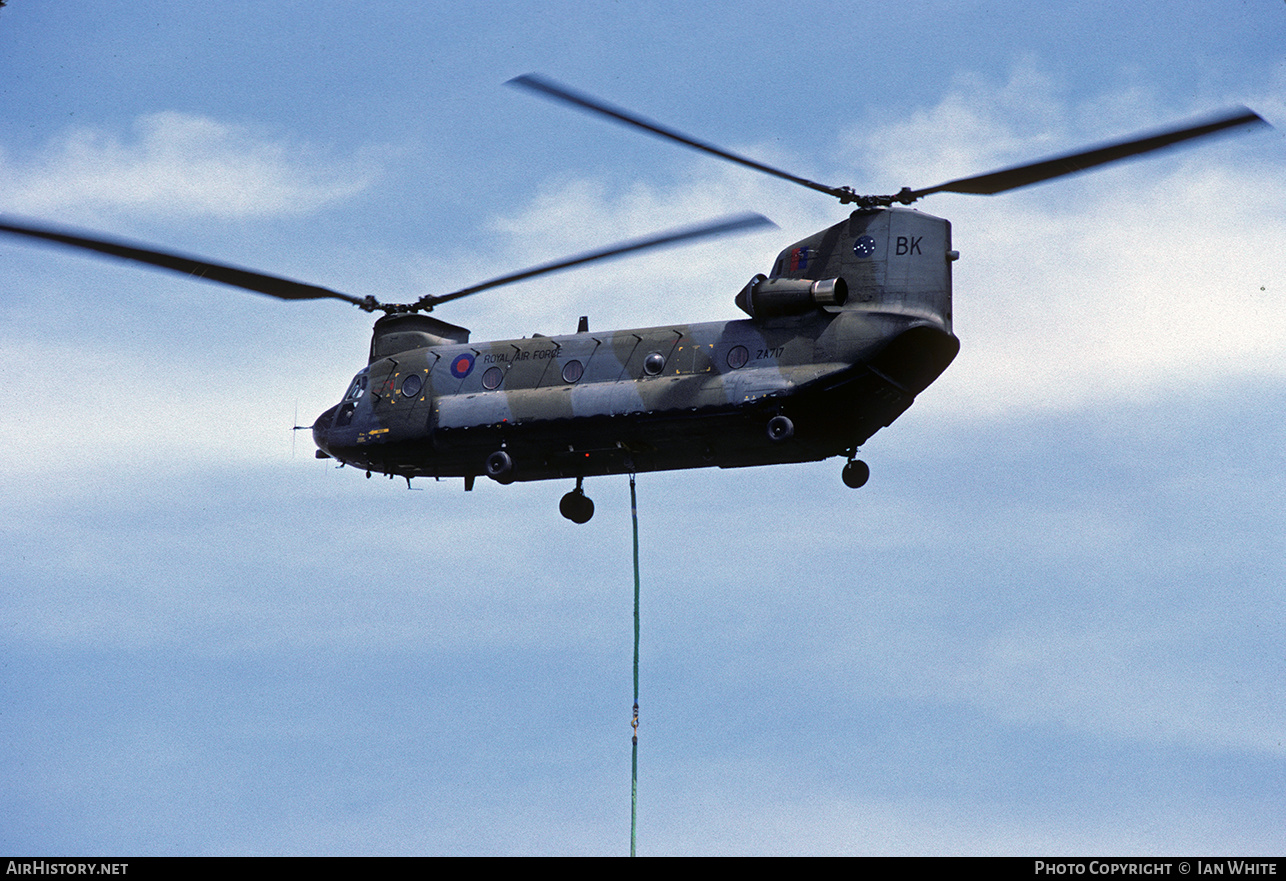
[(273, 286), (738, 223), (559, 92), (1072, 163)]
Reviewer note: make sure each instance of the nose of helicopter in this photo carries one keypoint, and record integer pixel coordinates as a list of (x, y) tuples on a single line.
[(321, 429)]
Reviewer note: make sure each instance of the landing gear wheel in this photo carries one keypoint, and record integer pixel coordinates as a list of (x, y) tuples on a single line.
[(500, 467), (576, 507), (780, 428), (855, 474)]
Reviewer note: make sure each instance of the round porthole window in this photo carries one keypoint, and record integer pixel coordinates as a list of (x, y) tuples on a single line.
[(654, 364), (737, 357), (492, 378), (573, 371), (411, 385)]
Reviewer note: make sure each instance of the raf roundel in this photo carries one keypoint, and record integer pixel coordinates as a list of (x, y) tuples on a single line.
[(462, 366)]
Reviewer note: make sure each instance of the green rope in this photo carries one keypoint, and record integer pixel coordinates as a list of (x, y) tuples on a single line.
[(634, 772)]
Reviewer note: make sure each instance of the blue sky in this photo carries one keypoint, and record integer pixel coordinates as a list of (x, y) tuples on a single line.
[(1051, 623)]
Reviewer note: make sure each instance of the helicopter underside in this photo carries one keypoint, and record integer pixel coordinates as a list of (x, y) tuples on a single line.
[(828, 417)]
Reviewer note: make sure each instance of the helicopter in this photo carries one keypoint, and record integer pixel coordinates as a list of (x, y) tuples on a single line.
[(842, 333)]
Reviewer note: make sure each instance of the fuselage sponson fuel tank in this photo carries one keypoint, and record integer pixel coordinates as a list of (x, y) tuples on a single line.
[(839, 360)]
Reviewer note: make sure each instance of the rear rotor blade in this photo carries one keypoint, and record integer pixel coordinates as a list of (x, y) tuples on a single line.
[(559, 92), (1072, 163), (193, 267), (724, 226)]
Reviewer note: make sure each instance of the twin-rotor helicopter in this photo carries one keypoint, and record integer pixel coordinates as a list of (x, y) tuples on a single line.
[(844, 330)]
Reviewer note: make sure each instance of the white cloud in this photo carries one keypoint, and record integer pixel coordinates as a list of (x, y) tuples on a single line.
[(175, 164)]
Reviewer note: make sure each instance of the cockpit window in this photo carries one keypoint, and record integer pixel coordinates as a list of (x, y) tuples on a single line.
[(358, 388)]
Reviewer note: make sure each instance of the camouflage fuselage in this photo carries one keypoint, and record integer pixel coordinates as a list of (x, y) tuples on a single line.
[(673, 396)]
